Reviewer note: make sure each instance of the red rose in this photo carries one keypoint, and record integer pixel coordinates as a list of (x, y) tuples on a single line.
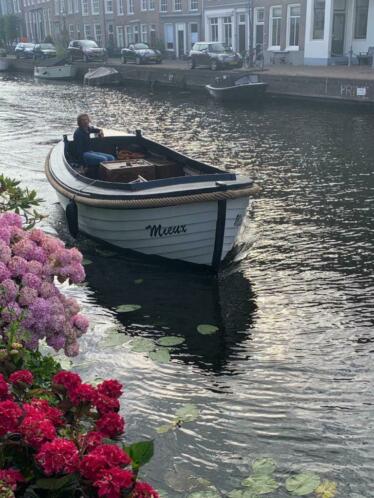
[(144, 490), (11, 478), (111, 425), (104, 404), (113, 481), (84, 393), (36, 430), (58, 457), (10, 414), (23, 376), (111, 388), (69, 380)]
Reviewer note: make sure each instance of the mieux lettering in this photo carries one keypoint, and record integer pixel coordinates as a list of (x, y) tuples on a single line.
[(161, 231)]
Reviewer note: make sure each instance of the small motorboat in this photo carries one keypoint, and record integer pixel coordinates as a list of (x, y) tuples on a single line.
[(246, 87), (102, 76), (152, 200), (55, 69)]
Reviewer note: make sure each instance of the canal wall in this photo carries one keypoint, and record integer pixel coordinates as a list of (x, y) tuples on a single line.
[(356, 89)]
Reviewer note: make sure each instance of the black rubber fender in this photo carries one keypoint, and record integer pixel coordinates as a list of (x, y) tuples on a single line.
[(72, 218)]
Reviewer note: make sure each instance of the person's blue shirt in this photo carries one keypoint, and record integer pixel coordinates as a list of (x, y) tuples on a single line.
[(82, 140)]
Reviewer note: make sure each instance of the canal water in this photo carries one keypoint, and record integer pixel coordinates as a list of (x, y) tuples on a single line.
[(290, 372)]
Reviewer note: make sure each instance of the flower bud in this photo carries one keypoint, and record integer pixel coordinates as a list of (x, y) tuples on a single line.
[(17, 345)]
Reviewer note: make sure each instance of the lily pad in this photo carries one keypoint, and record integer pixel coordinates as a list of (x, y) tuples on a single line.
[(205, 494), (181, 481), (138, 281), (206, 329), (165, 428), (242, 493), (86, 262), (160, 355), (126, 308), (170, 341), (187, 412), (264, 466), (65, 363), (114, 340), (260, 484), (302, 484), (142, 345), (327, 489)]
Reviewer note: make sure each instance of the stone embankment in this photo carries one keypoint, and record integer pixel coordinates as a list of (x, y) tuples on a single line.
[(353, 84)]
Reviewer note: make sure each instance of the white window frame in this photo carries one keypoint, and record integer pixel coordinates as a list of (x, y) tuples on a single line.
[(120, 8), (98, 39), (89, 36), (143, 5), (144, 31), (95, 11), (107, 11), (175, 5), (130, 8), (230, 29), (288, 31), (57, 7), (271, 18), (129, 33), (194, 5), (85, 12), (163, 5), (71, 31), (210, 28), (151, 5), (120, 29), (70, 6)]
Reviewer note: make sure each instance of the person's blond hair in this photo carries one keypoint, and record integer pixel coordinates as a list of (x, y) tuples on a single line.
[(80, 117)]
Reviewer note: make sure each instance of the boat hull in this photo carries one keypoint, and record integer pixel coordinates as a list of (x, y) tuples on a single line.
[(250, 92), (4, 64), (188, 232), (55, 72)]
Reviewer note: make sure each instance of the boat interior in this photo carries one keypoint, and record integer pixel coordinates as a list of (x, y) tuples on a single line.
[(228, 80), (140, 161)]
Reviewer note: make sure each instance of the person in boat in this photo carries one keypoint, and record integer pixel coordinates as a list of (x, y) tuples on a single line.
[(83, 146)]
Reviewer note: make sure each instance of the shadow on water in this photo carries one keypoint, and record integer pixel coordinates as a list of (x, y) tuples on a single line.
[(174, 300)]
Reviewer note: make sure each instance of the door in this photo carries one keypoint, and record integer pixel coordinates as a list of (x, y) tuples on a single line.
[(241, 38), (338, 29), (181, 39), (259, 41)]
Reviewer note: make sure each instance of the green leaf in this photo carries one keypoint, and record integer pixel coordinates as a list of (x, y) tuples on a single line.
[(206, 329), (327, 489), (114, 340), (140, 453), (302, 484), (171, 340), (55, 483), (165, 428), (264, 466), (187, 413), (138, 281), (204, 494), (86, 262), (242, 493), (142, 345), (160, 355), (260, 484), (126, 308)]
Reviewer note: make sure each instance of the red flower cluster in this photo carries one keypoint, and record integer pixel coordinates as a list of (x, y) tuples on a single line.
[(50, 432)]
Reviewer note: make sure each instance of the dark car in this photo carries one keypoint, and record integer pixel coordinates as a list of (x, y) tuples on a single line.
[(88, 50), (24, 50), (44, 50), (214, 55), (140, 53)]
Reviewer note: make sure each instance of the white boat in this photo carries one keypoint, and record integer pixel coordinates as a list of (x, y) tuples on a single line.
[(64, 72), (153, 201), (102, 76), (4, 64)]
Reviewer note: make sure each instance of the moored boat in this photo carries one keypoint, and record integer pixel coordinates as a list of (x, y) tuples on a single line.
[(151, 200), (64, 72), (102, 76), (246, 87)]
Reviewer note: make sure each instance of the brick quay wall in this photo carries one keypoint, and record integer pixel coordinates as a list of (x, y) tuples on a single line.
[(345, 85)]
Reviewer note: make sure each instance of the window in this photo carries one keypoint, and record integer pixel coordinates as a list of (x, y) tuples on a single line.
[(151, 5), (129, 34), (361, 18), (76, 6), (130, 7), (87, 31), (214, 29), (293, 27), (144, 5), (169, 36), (194, 33), (318, 19), (120, 37), (163, 5), (110, 35), (152, 35), (95, 7), (108, 6), (275, 26), (177, 5), (98, 37), (85, 8), (136, 34), (120, 8), (57, 7), (194, 4), (71, 31), (144, 33), (260, 15), (70, 6), (227, 31)]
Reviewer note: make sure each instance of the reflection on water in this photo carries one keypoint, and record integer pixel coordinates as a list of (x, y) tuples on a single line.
[(289, 374)]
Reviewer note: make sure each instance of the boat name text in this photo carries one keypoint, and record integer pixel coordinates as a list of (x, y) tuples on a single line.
[(161, 231)]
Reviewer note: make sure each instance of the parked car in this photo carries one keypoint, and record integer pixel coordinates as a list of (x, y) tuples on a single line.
[(24, 50), (214, 55), (88, 50), (44, 50), (140, 53)]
